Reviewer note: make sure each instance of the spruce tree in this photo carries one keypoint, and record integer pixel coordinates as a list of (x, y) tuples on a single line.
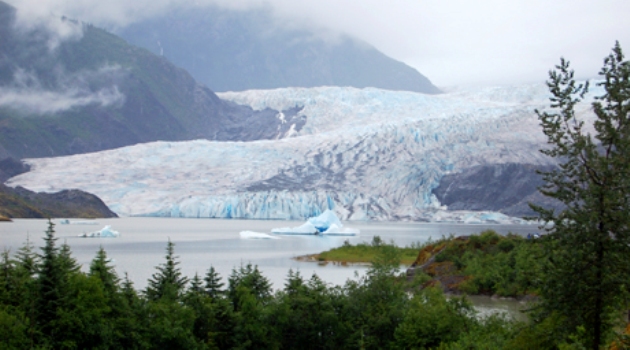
[(588, 244), (102, 269), (50, 284), (213, 286), (168, 281)]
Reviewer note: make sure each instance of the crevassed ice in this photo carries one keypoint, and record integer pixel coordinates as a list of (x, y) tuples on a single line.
[(367, 154)]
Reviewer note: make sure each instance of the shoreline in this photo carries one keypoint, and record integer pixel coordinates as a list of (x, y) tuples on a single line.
[(315, 259)]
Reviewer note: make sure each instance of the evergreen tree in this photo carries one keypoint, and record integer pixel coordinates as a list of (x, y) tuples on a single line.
[(27, 267), (248, 277), (214, 286), (50, 284), (7, 279), (196, 285), (66, 261), (168, 281), (588, 246), (129, 331), (27, 258), (102, 269)]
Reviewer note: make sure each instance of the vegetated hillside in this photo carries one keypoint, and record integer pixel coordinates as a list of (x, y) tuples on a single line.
[(487, 263), (21, 203), (242, 50), (93, 91)]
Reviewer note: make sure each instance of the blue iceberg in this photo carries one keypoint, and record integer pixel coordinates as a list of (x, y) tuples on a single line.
[(325, 224)]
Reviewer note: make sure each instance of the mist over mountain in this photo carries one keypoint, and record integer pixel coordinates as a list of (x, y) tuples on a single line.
[(88, 90), (232, 50)]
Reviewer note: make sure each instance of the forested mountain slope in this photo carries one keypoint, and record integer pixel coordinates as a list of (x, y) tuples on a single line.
[(89, 90)]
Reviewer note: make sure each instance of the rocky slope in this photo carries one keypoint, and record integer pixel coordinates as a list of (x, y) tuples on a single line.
[(242, 50), (506, 188)]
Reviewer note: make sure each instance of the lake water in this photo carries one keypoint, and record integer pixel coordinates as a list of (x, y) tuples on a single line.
[(201, 243)]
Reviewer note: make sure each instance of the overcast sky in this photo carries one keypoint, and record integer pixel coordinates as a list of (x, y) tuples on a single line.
[(455, 43)]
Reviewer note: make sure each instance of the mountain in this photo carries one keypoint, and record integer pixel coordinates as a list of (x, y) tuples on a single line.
[(369, 154), (242, 50), (507, 188), (70, 88), (21, 203)]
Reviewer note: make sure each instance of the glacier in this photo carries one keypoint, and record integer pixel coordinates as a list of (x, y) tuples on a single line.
[(366, 154)]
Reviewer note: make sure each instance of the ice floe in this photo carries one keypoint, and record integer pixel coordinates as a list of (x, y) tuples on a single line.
[(256, 235), (104, 232)]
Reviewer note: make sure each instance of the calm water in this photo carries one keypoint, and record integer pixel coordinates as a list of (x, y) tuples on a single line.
[(201, 243)]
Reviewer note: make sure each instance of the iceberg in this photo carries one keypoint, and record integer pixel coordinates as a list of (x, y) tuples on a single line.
[(305, 229), (104, 232), (335, 230), (77, 222), (255, 235), (325, 220), (326, 223)]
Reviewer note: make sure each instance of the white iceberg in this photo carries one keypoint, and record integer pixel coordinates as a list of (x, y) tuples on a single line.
[(104, 232), (325, 224), (335, 230), (77, 222), (255, 235)]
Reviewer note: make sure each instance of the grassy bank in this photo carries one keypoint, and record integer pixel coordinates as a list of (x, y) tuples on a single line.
[(366, 253), (486, 263)]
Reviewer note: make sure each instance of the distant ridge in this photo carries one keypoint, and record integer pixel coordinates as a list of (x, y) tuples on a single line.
[(236, 50)]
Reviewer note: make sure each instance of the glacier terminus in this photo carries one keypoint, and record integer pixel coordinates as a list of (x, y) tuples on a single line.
[(366, 154)]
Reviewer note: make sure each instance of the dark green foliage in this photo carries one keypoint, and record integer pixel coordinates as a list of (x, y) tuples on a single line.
[(213, 286), (102, 269), (304, 315), (248, 281), (431, 320), (97, 310), (14, 328), (363, 252), (493, 264), (587, 274), (51, 283), (168, 282)]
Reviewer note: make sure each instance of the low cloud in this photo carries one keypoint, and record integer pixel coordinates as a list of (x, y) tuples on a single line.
[(86, 88), (458, 42), (53, 28)]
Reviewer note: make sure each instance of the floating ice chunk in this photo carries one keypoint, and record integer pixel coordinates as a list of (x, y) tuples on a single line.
[(255, 235), (473, 217), (335, 230), (325, 220), (104, 232), (77, 222), (325, 224), (304, 229)]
